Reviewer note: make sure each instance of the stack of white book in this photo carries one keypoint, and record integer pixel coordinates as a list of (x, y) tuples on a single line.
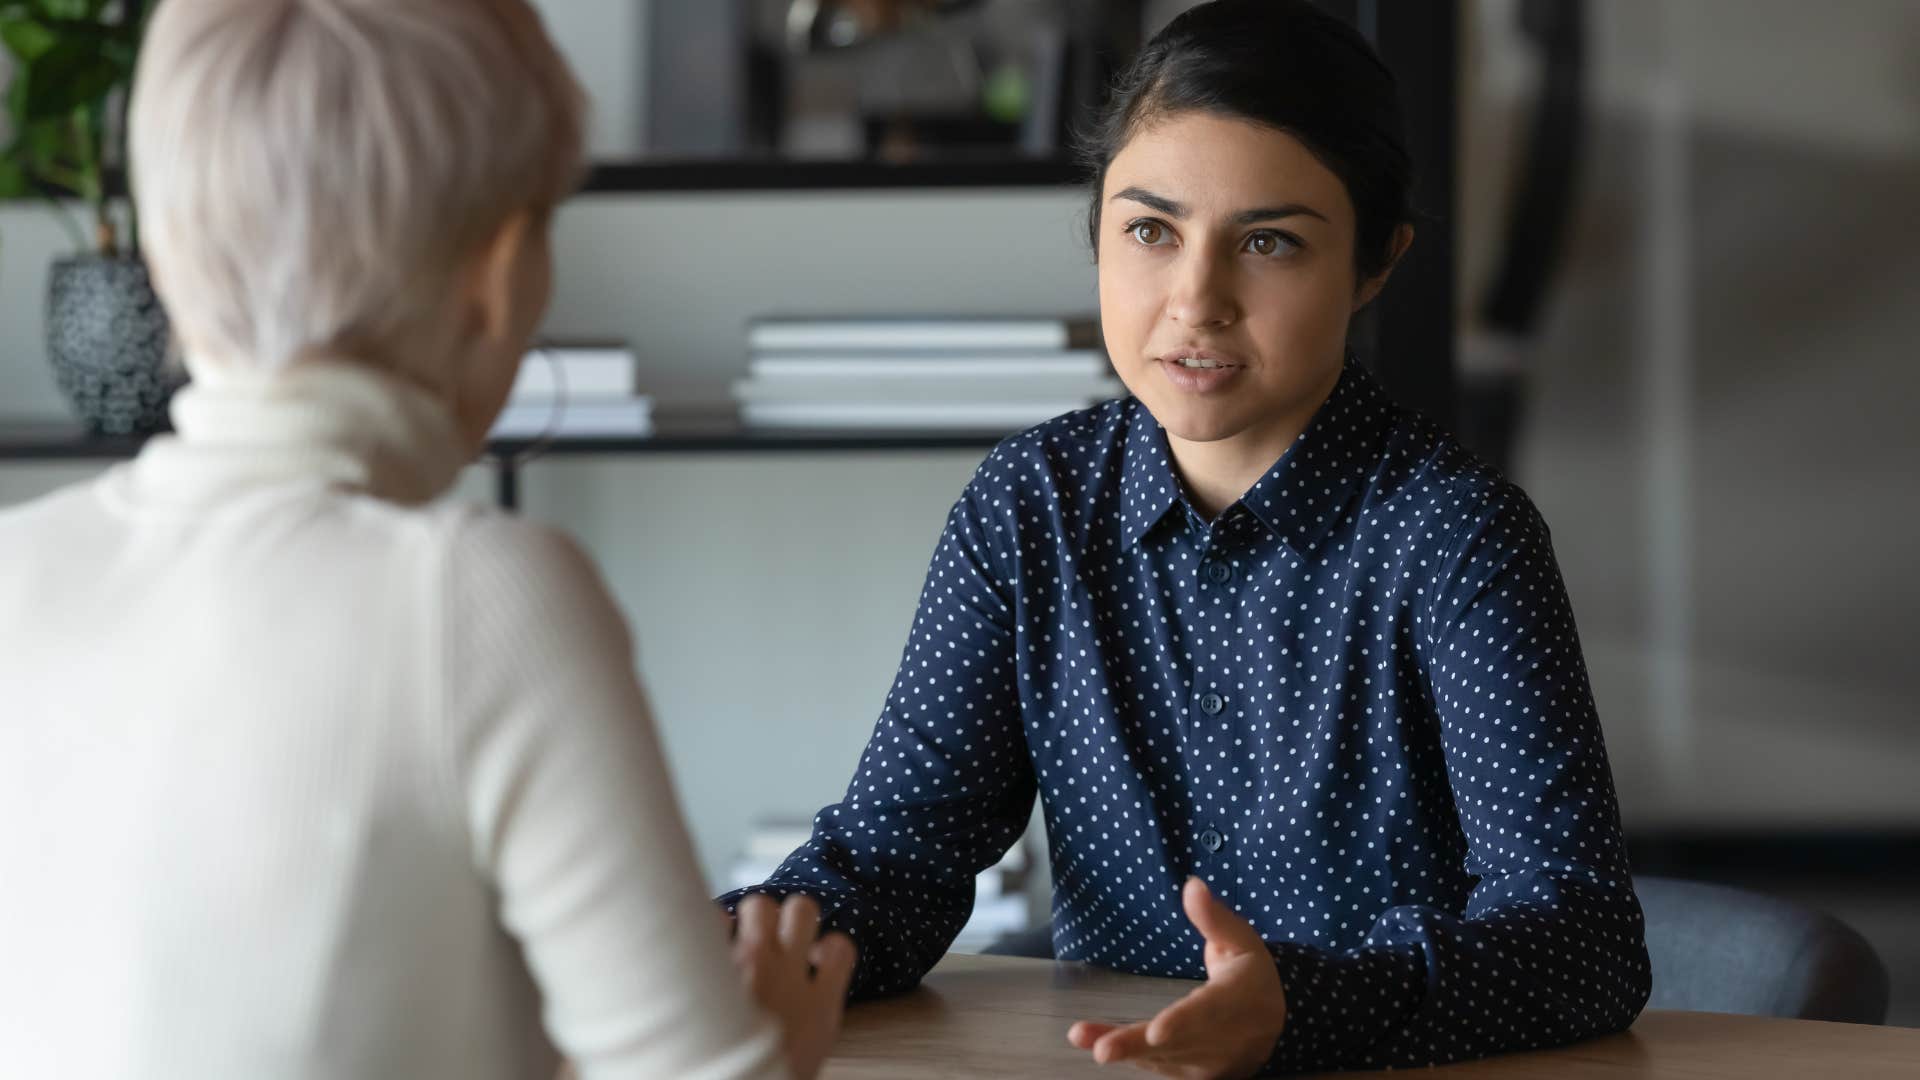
[(1000, 905), (582, 390), (955, 374)]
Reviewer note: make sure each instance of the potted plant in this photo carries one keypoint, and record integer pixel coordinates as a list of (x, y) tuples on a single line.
[(107, 334)]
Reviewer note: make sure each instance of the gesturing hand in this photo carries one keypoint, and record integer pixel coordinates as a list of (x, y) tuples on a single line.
[(1226, 1028), (801, 981)]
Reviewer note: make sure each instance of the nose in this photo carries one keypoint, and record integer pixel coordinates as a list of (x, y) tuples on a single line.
[(1202, 296)]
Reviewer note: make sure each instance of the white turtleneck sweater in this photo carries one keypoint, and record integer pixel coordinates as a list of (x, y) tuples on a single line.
[(305, 775)]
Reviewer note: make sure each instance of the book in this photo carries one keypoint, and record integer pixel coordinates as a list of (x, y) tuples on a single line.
[(1071, 363), (905, 415), (583, 370), (627, 417), (933, 333), (887, 388)]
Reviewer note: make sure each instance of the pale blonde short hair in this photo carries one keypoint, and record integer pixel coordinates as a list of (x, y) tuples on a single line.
[(311, 175)]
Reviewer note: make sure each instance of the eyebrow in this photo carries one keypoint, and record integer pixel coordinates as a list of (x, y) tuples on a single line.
[(1179, 210)]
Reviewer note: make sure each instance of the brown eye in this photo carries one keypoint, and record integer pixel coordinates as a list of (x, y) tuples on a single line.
[(1269, 243), (1149, 233)]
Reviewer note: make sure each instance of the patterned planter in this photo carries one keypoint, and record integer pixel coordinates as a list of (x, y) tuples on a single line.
[(108, 341)]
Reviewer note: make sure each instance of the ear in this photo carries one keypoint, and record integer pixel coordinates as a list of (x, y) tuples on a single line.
[(492, 285), (1370, 288)]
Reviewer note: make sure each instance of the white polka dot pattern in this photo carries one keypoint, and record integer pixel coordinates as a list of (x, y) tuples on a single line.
[(1354, 703)]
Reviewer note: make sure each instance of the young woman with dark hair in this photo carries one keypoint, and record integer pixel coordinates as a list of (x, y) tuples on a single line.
[(1295, 677)]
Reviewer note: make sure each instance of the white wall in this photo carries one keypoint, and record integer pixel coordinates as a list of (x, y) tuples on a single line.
[(605, 41)]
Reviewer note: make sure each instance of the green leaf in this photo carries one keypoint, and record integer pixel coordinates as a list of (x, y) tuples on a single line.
[(18, 97), (45, 153), (97, 35), (69, 76), (27, 38), (71, 9), (72, 59), (14, 183)]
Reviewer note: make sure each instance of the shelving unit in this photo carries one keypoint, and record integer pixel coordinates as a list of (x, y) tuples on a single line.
[(24, 442)]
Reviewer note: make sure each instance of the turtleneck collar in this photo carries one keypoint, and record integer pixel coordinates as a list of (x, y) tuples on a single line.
[(330, 422)]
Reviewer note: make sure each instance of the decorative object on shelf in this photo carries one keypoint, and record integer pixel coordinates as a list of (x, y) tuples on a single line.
[(855, 93), (108, 341), (108, 338)]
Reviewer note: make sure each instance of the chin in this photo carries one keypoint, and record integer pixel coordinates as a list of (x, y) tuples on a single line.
[(1195, 421)]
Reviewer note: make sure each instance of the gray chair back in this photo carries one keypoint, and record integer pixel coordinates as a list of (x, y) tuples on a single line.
[(1720, 949), (1717, 949)]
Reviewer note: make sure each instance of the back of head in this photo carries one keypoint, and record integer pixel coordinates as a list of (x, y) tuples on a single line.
[(311, 175)]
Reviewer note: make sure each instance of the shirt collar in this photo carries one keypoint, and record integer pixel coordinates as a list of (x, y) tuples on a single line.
[(1302, 497), (1148, 487)]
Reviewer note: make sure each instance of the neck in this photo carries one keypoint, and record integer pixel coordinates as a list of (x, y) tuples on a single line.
[(1217, 473)]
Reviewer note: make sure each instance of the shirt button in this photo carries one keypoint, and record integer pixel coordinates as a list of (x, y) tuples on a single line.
[(1219, 573), (1212, 840), (1211, 704)]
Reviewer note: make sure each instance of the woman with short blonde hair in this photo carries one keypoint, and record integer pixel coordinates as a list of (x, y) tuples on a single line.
[(307, 772)]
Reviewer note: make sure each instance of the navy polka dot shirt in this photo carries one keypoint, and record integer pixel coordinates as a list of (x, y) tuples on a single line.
[(1354, 703)]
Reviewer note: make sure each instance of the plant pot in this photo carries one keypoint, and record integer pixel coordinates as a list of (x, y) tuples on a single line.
[(108, 340)]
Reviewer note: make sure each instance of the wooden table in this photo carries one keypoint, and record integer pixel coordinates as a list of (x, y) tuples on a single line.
[(989, 1016)]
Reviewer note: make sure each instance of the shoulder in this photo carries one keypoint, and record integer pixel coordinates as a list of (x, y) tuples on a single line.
[(34, 521), (1062, 460), (1069, 444), (494, 565), (1425, 470), (47, 544), (480, 542), (529, 628), (464, 547), (1068, 437)]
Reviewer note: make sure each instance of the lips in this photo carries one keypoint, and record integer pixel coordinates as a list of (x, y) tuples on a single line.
[(1210, 371), (1196, 358)]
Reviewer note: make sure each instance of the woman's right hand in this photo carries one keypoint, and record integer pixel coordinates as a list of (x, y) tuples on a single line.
[(794, 974)]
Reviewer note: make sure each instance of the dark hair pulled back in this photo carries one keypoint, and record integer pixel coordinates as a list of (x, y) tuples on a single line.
[(1282, 64)]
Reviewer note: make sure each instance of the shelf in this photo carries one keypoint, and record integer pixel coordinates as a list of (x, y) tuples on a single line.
[(757, 441), (775, 175), (55, 441)]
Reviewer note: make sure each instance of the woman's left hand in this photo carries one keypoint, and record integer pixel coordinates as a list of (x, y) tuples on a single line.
[(1224, 1029)]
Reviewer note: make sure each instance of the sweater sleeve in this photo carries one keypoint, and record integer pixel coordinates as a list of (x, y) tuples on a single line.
[(1550, 948), (557, 769)]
